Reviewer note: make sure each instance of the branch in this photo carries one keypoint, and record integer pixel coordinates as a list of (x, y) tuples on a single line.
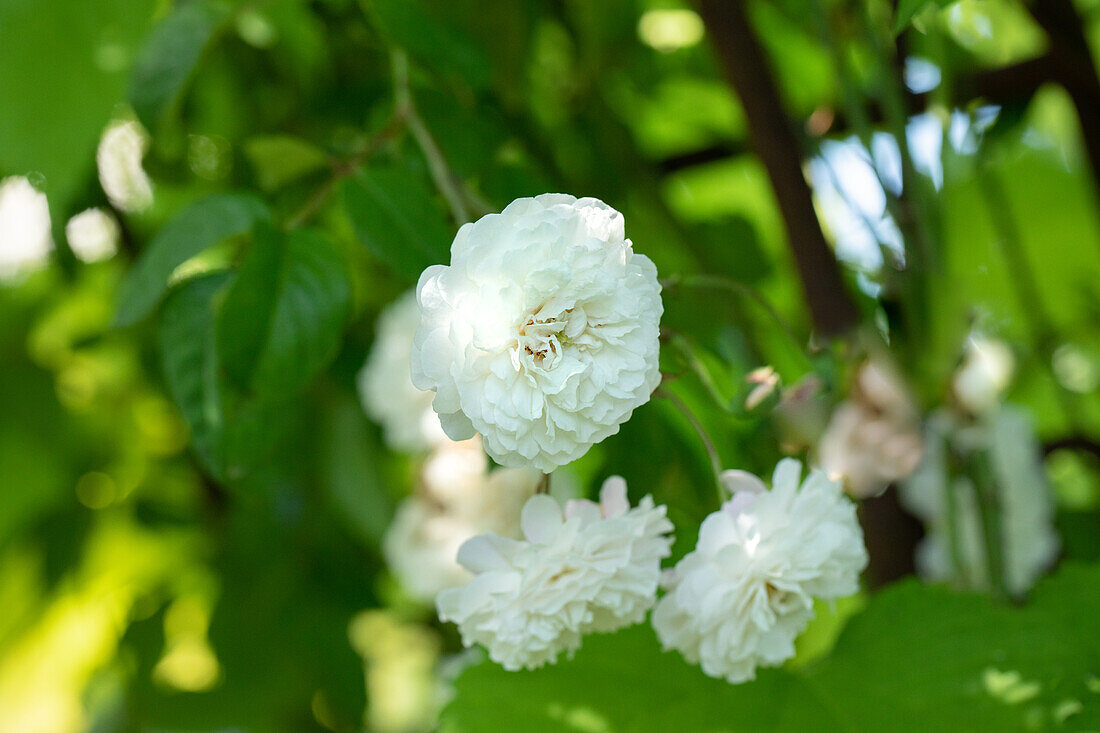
[(1078, 443), (831, 307), (347, 168), (442, 175)]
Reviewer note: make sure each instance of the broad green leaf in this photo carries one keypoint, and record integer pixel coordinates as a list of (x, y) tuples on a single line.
[(393, 213), (351, 472), (201, 225), (63, 67), (190, 363), (281, 159), (282, 318), (919, 658), (169, 56), (443, 48)]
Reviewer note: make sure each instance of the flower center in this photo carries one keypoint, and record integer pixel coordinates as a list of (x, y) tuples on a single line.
[(543, 334)]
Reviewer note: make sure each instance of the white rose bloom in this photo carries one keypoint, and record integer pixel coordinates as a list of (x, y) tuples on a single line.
[(25, 240), (93, 235), (542, 334), (405, 413), (458, 498), (874, 438), (1029, 540), (738, 600), (118, 158), (984, 374), (593, 568)]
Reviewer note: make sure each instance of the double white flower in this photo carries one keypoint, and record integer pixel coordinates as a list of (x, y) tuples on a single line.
[(593, 568), (742, 596), (405, 413), (542, 334), (457, 498)]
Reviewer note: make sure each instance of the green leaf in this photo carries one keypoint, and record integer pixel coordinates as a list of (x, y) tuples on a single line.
[(443, 48), (350, 472), (908, 9), (280, 159), (63, 67), (202, 224), (394, 214), (169, 57), (190, 362), (283, 317), (920, 658)]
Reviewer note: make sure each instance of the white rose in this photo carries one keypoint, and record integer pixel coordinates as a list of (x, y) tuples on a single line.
[(1029, 539), (542, 334), (405, 413), (984, 375), (738, 600), (593, 568), (458, 498), (25, 241), (118, 158)]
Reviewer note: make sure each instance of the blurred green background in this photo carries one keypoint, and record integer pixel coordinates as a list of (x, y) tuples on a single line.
[(205, 205)]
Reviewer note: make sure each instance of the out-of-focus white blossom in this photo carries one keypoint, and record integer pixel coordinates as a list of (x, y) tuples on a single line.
[(385, 383), (984, 374), (118, 158), (739, 600), (766, 380), (1029, 540), (25, 241), (458, 498), (92, 235), (542, 334), (874, 437), (592, 568)]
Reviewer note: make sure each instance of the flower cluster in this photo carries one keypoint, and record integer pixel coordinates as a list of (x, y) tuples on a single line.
[(542, 334), (592, 568), (738, 601)]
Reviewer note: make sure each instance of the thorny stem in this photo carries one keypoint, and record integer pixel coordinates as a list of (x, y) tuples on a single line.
[(444, 178), (704, 438)]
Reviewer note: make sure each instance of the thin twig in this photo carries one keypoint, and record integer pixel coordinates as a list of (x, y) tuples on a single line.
[(704, 438), (445, 179), (348, 167), (543, 485)]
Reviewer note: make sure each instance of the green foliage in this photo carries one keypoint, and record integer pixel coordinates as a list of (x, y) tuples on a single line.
[(394, 215), (195, 229), (62, 69), (909, 9), (280, 159), (169, 57), (282, 319), (913, 660)]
